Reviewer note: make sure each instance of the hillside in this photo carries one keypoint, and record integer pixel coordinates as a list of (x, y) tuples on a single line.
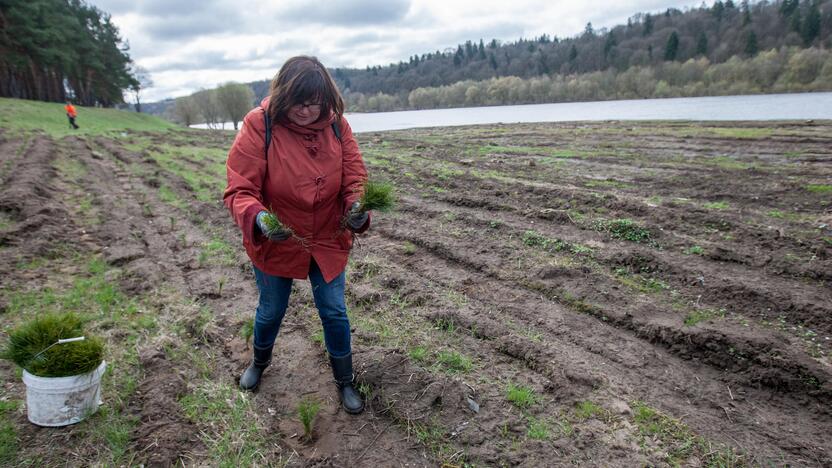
[(722, 49)]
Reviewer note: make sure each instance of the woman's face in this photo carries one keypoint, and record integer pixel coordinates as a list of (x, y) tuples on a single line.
[(306, 113)]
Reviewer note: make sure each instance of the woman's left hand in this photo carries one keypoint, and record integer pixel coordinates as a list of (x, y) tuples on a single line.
[(356, 218)]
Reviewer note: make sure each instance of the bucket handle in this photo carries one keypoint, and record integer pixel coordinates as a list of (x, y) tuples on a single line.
[(60, 341)]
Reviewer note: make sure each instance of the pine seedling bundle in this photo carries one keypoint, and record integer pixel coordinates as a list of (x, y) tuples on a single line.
[(27, 344)]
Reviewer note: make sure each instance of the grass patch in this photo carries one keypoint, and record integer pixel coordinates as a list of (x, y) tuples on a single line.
[(720, 205), (695, 250), (819, 188), (538, 429), (50, 117), (8, 434), (454, 362), (227, 419), (702, 315), (419, 354), (678, 443), (625, 229), (521, 396), (586, 409), (217, 252)]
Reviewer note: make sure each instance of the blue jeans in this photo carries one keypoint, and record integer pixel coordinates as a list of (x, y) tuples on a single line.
[(329, 299)]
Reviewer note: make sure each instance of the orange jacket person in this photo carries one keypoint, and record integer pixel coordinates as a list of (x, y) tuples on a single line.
[(309, 175), (71, 114)]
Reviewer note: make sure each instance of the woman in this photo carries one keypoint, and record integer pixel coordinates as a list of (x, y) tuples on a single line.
[(309, 175)]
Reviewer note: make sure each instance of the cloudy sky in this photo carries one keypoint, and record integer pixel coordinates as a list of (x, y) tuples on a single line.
[(191, 44)]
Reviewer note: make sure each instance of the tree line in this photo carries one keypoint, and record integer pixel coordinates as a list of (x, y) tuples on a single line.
[(717, 33), (775, 71), (52, 50), (722, 49), (229, 102)]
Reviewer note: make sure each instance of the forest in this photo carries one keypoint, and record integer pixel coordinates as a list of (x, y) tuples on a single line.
[(52, 50), (722, 49)]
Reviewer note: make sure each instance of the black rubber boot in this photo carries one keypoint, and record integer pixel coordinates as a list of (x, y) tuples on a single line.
[(251, 376), (342, 371)]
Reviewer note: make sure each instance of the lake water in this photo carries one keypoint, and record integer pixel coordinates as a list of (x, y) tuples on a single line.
[(799, 106)]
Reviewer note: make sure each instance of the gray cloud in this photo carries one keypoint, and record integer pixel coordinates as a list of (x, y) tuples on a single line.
[(193, 26), (357, 12)]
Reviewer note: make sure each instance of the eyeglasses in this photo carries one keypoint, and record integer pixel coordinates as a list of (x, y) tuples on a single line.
[(310, 107)]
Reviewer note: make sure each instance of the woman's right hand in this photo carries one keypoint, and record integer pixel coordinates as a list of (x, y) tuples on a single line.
[(276, 235)]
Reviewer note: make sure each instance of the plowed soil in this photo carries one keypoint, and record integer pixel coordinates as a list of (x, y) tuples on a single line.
[(656, 293)]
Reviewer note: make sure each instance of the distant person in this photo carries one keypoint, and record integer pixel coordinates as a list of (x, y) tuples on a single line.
[(309, 173), (71, 114)]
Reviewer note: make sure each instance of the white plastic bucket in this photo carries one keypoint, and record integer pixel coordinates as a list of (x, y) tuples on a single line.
[(60, 401)]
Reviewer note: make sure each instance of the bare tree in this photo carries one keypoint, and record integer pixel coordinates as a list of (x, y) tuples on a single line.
[(186, 110), (206, 101), (142, 81), (235, 100)]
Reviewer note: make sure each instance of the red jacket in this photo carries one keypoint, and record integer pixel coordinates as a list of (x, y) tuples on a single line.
[(70, 110), (310, 181)]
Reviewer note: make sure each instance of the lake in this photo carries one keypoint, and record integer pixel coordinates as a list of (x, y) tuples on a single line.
[(798, 106)]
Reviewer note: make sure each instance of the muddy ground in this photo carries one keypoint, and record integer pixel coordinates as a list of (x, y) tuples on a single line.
[(612, 294)]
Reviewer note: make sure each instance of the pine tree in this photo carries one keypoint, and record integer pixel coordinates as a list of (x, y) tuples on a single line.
[(746, 13), (648, 25), (672, 47), (702, 44), (751, 47), (811, 25)]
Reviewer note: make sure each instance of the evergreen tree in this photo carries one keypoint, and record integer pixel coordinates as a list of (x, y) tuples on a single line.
[(49, 48), (811, 25), (795, 22), (788, 7), (672, 47), (751, 47), (648, 25), (492, 60), (609, 46), (702, 44), (573, 53), (588, 31), (746, 13), (718, 10)]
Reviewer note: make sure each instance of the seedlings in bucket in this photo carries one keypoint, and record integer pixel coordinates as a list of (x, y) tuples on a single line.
[(41, 347), (307, 410)]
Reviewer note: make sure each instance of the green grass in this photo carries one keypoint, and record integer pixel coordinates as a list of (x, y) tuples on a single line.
[(521, 396), (8, 434), (217, 252), (229, 428), (586, 409), (454, 362), (24, 115), (720, 205), (702, 315), (419, 354), (538, 429), (695, 250), (625, 229), (819, 188)]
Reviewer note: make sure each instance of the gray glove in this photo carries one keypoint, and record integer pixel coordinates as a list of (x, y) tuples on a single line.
[(275, 236), (355, 217)]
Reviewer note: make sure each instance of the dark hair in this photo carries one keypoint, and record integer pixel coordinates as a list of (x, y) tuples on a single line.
[(302, 79)]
